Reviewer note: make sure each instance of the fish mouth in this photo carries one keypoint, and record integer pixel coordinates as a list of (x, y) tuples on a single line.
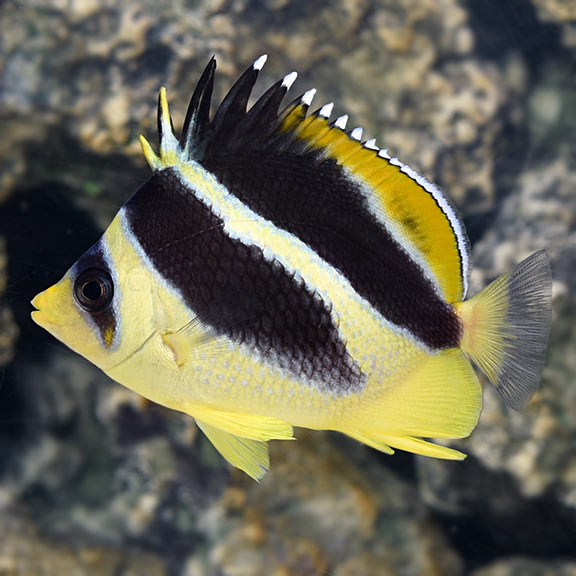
[(37, 315)]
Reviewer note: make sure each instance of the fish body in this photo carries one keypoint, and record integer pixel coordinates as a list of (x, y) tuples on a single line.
[(275, 271)]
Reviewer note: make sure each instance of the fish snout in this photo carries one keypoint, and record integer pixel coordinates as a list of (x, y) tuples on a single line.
[(49, 305)]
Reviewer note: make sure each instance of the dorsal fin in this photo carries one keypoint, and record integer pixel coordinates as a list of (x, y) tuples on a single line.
[(246, 148), (198, 113), (416, 210)]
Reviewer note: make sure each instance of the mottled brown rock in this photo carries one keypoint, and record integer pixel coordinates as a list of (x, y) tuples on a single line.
[(79, 83), (319, 512), (25, 552), (527, 567)]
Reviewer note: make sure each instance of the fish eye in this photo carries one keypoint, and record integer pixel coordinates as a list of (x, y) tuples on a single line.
[(94, 289)]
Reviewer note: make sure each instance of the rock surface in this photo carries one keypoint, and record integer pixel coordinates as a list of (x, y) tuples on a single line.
[(479, 98), (8, 329)]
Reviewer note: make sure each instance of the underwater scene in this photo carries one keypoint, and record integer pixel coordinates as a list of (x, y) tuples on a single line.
[(258, 295)]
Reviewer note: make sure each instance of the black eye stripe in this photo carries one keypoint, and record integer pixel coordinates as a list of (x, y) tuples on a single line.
[(95, 293)]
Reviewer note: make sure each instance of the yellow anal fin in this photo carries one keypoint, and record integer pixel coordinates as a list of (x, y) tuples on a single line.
[(440, 398), (250, 456), (387, 444), (420, 446), (250, 426)]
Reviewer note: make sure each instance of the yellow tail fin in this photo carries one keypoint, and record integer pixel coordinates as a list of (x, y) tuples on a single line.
[(506, 328)]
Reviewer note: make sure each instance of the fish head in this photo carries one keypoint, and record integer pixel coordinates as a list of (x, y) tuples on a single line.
[(104, 307)]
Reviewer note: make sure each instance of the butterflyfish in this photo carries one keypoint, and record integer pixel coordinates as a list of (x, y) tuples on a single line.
[(279, 271)]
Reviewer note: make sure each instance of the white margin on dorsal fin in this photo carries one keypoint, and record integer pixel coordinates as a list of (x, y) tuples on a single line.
[(453, 218), (326, 110), (371, 144), (384, 153), (308, 97), (396, 162), (356, 134), (341, 122), (259, 62), (412, 173), (289, 79)]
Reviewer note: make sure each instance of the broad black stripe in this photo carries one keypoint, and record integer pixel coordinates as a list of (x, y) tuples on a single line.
[(104, 319), (234, 289), (311, 197)]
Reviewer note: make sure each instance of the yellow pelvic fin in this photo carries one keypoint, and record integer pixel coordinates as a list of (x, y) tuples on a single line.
[(250, 426), (506, 328), (251, 456), (375, 443), (441, 398)]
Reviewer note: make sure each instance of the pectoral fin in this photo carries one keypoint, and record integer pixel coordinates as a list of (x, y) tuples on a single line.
[(193, 342), (251, 456)]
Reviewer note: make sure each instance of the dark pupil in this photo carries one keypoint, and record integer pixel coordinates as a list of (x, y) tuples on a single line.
[(92, 290)]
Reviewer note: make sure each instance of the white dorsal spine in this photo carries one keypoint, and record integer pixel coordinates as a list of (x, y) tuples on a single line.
[(259, 62), (371, 144), (341, 122), (289, 79), (384, 153), (308, 97), (326, 110), (356, 134)]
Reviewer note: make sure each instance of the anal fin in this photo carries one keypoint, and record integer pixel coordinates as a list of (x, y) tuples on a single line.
[(423, 447), (251, 456), (440, 398), (387, 443)]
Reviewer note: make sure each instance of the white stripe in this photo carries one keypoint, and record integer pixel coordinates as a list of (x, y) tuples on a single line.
[(453, 218), (296, 256), (451, 215)]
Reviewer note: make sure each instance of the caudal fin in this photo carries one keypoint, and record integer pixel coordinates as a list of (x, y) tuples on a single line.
[(506, 328)]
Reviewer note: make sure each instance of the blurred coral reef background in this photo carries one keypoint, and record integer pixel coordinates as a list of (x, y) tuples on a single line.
[(479, 96)]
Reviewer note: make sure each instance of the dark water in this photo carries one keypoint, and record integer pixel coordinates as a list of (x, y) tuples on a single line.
[(478, 96)]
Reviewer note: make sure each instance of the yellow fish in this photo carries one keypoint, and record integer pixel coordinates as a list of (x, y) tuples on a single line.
[(278, 271)]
